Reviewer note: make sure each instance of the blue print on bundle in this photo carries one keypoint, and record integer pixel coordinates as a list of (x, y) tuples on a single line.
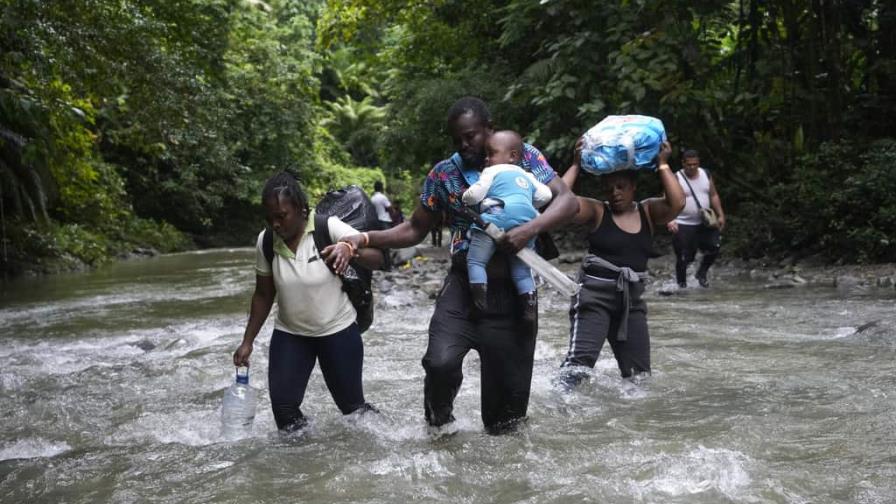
[(628, 142)]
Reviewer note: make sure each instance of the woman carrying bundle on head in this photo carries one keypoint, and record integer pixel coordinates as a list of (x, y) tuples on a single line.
[(619, 241)]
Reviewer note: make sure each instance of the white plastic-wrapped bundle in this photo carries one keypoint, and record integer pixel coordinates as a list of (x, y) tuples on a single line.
[(628, 142)]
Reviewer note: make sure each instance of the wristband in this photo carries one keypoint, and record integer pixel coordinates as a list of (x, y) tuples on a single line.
[(660, 167), (366, 239), (351, 248)]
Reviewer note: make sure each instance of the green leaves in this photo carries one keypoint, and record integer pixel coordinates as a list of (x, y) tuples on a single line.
[(357, 125), (175, 110), (178, 111)]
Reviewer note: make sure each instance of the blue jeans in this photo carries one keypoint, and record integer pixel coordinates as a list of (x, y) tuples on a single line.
[(481, 250)]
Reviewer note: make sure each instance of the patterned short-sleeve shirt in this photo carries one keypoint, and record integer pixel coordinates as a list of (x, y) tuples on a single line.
[(447, 181)]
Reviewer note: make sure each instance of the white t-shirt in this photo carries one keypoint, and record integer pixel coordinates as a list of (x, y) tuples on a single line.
[(310, 299), (690, 215), (381, 203)]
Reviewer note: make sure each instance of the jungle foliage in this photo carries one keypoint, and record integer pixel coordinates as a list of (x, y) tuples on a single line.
[(149, 123), (789, 102)]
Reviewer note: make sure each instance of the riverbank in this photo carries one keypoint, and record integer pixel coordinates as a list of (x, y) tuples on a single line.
[(66, 263), (36, 249), (424, 266)]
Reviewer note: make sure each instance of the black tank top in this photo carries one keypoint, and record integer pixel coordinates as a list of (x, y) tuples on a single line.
[(619, 247)]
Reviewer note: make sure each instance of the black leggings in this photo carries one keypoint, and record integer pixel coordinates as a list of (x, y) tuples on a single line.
[(594, 317), (506, 349), (292, 358)]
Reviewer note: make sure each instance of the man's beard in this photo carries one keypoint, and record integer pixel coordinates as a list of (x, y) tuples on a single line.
[(473, 160)]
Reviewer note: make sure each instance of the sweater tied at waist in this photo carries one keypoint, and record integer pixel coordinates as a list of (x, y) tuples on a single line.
[(624, 276)]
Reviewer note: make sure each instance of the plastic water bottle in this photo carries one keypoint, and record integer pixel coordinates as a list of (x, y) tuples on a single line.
[(238, 408)]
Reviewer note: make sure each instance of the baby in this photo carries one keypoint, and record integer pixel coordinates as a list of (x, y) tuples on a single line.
[(511, 196)]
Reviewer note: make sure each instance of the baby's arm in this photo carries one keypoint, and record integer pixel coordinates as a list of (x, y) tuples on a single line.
[(542, 194), (478, 191)]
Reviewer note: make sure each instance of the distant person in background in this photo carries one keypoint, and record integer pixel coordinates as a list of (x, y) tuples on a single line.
[(396, 214), (383, 206), (690, 234), (436, 232)]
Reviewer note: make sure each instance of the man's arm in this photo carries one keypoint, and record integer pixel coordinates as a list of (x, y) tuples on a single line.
[(562, 208), (410, 232), (716, 203), (335, 256)]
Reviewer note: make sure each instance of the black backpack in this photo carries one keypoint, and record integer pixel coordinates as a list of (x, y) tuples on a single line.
[(352, 206)]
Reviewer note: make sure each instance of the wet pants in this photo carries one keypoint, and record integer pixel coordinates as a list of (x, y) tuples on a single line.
[(506, 347), (687, 241), (594, 316), (292, 359)]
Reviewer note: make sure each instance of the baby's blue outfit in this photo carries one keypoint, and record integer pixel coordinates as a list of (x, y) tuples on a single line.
[(514, 190)]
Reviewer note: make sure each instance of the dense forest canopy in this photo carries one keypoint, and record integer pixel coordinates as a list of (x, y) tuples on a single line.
[(151, 123)]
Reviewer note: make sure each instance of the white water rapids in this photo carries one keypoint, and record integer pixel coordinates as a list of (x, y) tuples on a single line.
[(112, 383)]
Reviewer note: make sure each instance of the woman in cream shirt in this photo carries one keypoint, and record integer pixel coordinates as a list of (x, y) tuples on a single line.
[(315, 319)]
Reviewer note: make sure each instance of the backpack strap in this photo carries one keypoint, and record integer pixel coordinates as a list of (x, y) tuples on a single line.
[(321, 232), (267, 245)]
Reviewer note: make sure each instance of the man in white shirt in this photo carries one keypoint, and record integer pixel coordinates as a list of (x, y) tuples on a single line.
[(690, 234), (382, 204)]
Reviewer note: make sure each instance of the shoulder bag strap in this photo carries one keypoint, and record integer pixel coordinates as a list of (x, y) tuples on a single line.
[(685, 177)]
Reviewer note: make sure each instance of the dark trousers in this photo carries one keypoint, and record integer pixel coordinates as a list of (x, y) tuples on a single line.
[(687, 241), (594, 316), (505, 344), (292, 358), (436, 236)]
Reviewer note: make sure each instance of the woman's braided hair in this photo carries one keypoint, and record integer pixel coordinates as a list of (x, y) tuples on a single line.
[(285, 184)]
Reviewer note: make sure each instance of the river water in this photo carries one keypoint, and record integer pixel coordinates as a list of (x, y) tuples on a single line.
[(112, 382)]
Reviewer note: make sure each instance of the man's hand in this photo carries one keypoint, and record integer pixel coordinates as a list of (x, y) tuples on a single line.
[(241, 356), (672, 226), (515, 239), (338, 255), (721, 222), (357, 241)]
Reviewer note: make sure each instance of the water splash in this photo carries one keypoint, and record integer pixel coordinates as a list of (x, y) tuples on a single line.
[(701, 470), (33, 448)]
